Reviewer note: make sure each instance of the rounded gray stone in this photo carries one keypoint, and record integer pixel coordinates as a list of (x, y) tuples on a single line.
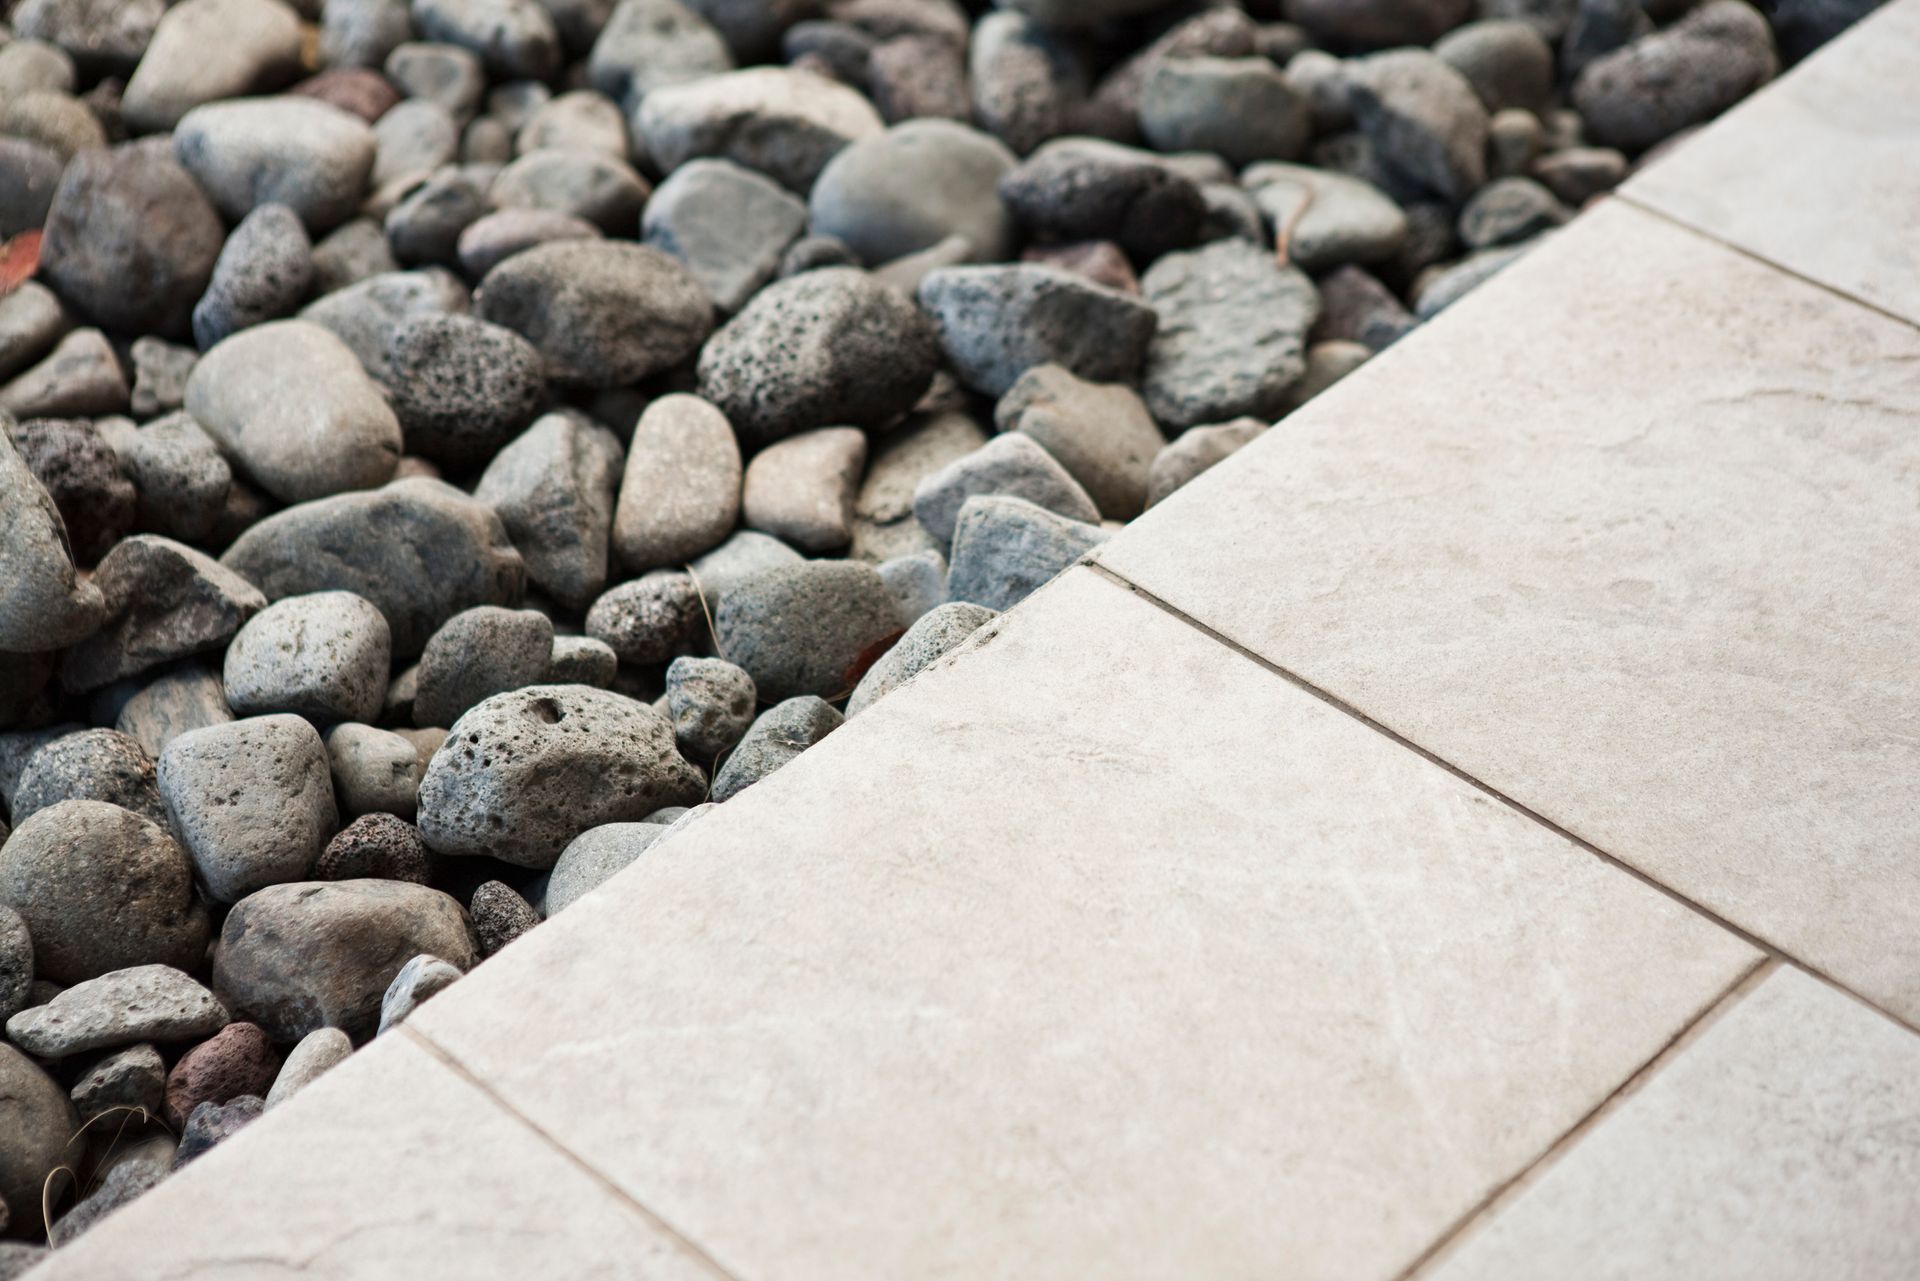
[(178, 473), (476, 654), (1195, 451), (1424, 120), (375, 771), (781, 733), (681, 491), (582, 660), (1378, 23), (1508, 63), (318, 1052), (135, 1077), (786, 123), (553, 489), (911, 187), (461, 387), (262, 274), (524, 773), (712, 703), (806, 628), (649, 619), (205, 50), (1509, 210), (91, 765), (164, 601), (499, 916), (420, 978), (324, 656), (1329, 218), (489, 241), (883, 523), (592, 858), (515, 38), (290, 150), (729, 224), (997, 322), (252, 800), (184, 697), (1680, 76), (936, 633), (1010, 463), (653, 44), (1241, 109), (744, 554), (590, 185), (364, 314), (36, 1121), (1090, 189)]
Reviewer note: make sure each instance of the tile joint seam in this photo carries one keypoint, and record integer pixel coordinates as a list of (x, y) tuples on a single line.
[(1640, 205), (653, 1220), (1580, 842)]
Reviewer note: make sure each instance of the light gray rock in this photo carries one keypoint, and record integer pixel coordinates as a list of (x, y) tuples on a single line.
[(553, 489), (937, 633), (290, 150), (592, 858), (310, 955), (1680, 76), (164, 600), (182, 698), (53, 119), (444, 73), (584, 120), (1423, 119), (1508, 63), (728, 224), (1327, 364), (1101, 433), (1008, 464), (178, 473), (654, 44), (44, 604), (602, 314), (420, 550), (515, 38), (362, 33), (252, 800), (214, 1123), (995, 323), (1443, 287), (26, 65), (1232, 335), (101, 888), (1006, 548), (883, 522), (205, 50), (524, 773), (293, 405), (786, 123), (917, 582), (36, 1123), (805, 628), (649, 619), (324, 656), (681, 491), (365, 314), (422, 977), (780, 734), (1241, 109), (1578, 174), (1195, 451), (80, 377), (1026, 85), (744, 554), (833, 347), (910, 188), (16, 960), (350, 253), (582, 660), (32, 320), (590, 185), (712, 703), (135, 1077), (318, 1052), (1329, 218), (140, 1003), (90, 765), (476, 654), (18, 747), (374, 771), (801, 489)]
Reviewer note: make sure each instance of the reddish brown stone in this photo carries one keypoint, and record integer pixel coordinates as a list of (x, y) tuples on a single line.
[(366, 94), (376, 846), (236, 1060)]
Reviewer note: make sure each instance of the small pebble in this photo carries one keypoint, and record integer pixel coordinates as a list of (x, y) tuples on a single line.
[(780, 734), (801, 489), (317, 1052), (1006, 548), (236, 1060), (375, 771), (646, 620), (712, 703), (420, 978), (323, 656), (499, 916)]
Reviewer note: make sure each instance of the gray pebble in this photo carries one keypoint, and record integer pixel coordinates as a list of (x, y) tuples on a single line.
[(812, 253), (16, 961), (262, 274), (442, 73), (135, 1077), (653, 44), (29, 178), (649, 619), (883, 521), (1508, 63), (476, 654), (1100, 433), (1195, 451), (362, 33), (499, 916), (164, 601), (415, 137), (140, 1003), (318, 1052), (280, 962), (296, 151), (426, 225), (801, 489), (52, 119), (1378, 23), (553, 489), (1327, 364), (912, 77), (420, 978), (420, 550), (178, 474), (350, 253), (912, 187), (489, 241), (590, 185), (213, 1124), (592, 858), (1509, 210), (1088, 189), (204, 50), (182, 698), (160, 371), (365, 314), (1682, 75), (583, 120), (1010, 463), (917, 582), (728, 224), (780, 734), (1329, 218), (324, 656), (513, 38), (82, 474), (1027, 86), (1356, 307), (602, 314), (1006, 548), (1578, 174), (524, 773), (712, 703), (80, 377), (1241, 109), (681, 491), (26, 65), (91, 765), (36, 1126), (582, 660), (461, 387), (45, 604), (382, 847), (252, 800), (787, 124), (1445, 286), (32, 320), (1424, 119), (743, 555), (374, 771), (938, 632), (805, 628), (995, 323), (830, 347)]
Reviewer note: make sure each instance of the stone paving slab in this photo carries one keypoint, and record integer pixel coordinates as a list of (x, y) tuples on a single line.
[(1820, 171), (1782, 1145), (390, 1166), (1103, 951), (1631, 538)]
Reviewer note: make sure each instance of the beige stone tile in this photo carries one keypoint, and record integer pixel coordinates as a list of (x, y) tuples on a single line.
[(1782, 1145), (390, 1166), (1098, 951), (1632, 537), (1820, 171)]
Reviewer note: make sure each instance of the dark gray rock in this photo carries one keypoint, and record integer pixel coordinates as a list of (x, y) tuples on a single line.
[(420, 550), (419, 979), (1006, 548), (1445, 286), (1424, 120), (81, 376), (296, 151), (553, 489), (602, 314), (262, 274), (499, 916), (489, 241), (140, 1003), (712, 703), (830, 347), (1681, 76), (1101, 434), (1027, 85), (91, 765), (524, 773), (1241, 109), (131, 241), (592, 858), (252, 800), (1599, 28), (179, 478), (649, 619), (426, 225), (445, 73), (937, 633), (214, 1123), (913, 77), (1008, 464), (182, 698), (379, 847), (1356, 307), (597, 188), (16, 960), (1327, 218), (1087, 189), (728, 224), (365, 314), (300, 957), (476, 654), (105, 37), (917, 582), (81, 473), (806, 628), (293, 406), (350, 253), (1232, 335), (461, 387), (752, 28), (29, 177), (786, 123), (780, 734), (323, 656), (1578, 174), (36, 1122), (515, 38), (1801, 26), (32, 320), (582, 660), (101, 888), (913, 186), (164, 600), (1509, 210), (120, 1185), (1508, 63), (135, 1077), (362, 33), (995, 323), (1378, 23)]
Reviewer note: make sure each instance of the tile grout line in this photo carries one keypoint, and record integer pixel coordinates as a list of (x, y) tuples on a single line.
[(680, 1239), (1347, 709), (1488, 1206), (1639, 205)]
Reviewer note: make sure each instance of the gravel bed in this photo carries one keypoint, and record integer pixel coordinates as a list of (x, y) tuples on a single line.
[(447, 445)]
